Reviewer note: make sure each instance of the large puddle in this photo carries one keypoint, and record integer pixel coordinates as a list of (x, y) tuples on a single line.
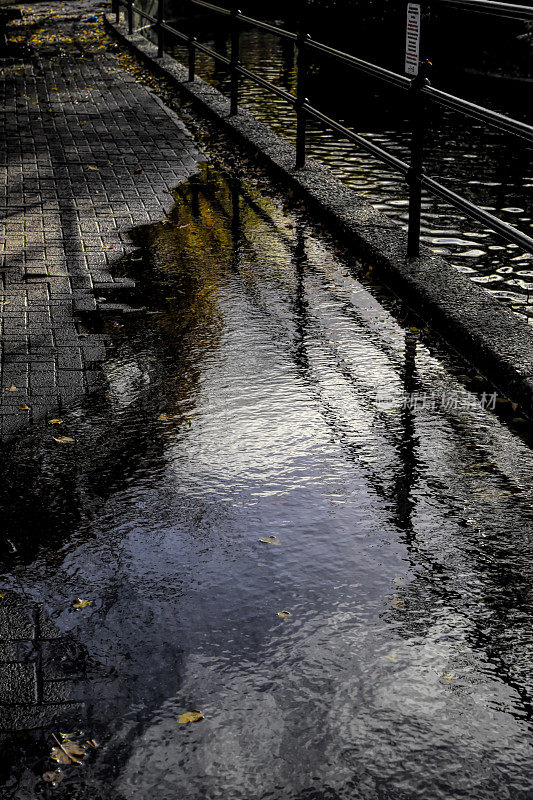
[(271, 390)]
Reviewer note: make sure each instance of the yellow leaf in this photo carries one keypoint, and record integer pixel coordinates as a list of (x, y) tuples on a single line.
[(11, 388), (24, 407), (191, 716), (5, 303), (81, 603), (58, 755), (72, 735), (284, 614), (73, 748), (270, 540), (448, 676), (55, 422), (64, 439), (93, 169), (413, 329)]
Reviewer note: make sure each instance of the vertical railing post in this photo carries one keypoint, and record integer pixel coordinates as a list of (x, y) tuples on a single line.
[(130, 17), (416, 168), (235, 61), (192, 57), (160, 32), (117, 11), (301, 99)]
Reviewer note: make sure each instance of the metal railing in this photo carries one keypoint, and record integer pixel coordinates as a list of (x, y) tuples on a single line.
[(419, 91)]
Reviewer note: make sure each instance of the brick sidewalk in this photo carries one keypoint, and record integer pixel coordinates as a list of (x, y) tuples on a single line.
[(89, 153)]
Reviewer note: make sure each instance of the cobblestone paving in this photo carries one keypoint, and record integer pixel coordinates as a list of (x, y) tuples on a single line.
[(41, 671), (89, 153)]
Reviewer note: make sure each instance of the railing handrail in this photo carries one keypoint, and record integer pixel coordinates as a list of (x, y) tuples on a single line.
[(498, 9), (419, 88)]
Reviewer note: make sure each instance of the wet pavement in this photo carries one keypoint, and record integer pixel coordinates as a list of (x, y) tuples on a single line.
[(272, 388), (89, 152)]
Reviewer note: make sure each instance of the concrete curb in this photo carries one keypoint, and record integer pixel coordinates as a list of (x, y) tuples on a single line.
[(480, 328)]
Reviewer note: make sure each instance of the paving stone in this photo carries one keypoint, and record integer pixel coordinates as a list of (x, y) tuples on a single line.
[(16, 622), (18, 683)]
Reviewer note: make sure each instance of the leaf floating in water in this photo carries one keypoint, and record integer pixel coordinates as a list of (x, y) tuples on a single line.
[(66, 751), (191, 716), (55, 421), (397, 602), (284, 614), (81, 603), (64, 439), (167, 417), (398, 581), (54, 777), (11, 388), (448, 677), (60, 756), (73, 735), (270, 540), (392, 656), (414, 329)]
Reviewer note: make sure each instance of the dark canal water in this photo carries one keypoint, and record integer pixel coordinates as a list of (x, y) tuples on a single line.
[(405, 558), (491, 169)]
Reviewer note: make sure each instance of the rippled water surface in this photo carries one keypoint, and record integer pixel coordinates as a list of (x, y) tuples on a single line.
[(489, 168), (404, 558)]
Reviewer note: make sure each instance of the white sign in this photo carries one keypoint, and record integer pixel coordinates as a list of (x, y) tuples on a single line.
[(412, 39)]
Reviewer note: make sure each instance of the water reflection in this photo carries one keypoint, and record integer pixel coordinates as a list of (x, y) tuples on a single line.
[(245, 402), (488, 168)]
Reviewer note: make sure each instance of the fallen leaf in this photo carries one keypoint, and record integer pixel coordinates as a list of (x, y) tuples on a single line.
[(64, 439), (392, 656), (55, 422), (284, 614), (191, 716), (60, 756), (137, 171), (4, 303), (413, 329), (11, 388), (73, 735), (81, 603), (448, 676), (397, 602), (270, 540), (93, 169), (73, 748), (54, 777), (92, 743), (166, 417), (24, 407), (83, 335)]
